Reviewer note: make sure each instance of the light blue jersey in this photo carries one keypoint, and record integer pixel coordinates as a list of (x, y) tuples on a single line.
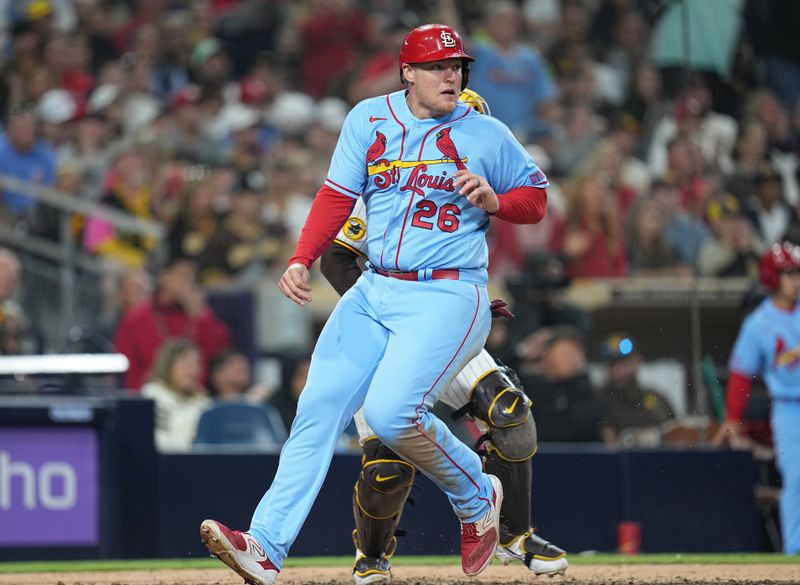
[(404, 168), (769, 344)]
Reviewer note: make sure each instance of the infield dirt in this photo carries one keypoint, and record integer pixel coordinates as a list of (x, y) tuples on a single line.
[(439, 575)]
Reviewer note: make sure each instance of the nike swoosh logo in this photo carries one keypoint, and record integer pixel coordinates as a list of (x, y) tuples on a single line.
[(510, 409), (374, 119), (379, 478)]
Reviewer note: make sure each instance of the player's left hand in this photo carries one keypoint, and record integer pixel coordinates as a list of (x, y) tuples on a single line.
[(294, 284), (477, 190)]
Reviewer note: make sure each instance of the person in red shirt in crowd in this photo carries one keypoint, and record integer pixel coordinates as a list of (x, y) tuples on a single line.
[(331, 37), (378, 73), (177, 309), (591, 235)]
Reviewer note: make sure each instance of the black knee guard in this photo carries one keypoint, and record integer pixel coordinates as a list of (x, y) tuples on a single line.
[(380, 493), (506, 411)]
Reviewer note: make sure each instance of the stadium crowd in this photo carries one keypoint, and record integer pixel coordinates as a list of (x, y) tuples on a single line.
[(669, 153)]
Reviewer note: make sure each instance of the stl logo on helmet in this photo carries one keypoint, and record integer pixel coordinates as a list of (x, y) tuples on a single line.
[(447, 39)]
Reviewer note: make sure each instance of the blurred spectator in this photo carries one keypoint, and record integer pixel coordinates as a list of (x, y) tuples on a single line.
[(15, 334), (685, 170), (25, 156), (241, 246), (330, 37), (250, 29), (619, 55), (764, 106), (554, 376), (645, 103), (177, 309), (649, 250), (231, 379), (287, 203), (88, 152), (129, 189), (179, 133), (127, 290), (179, 395), (378, 74), (196, 218), (694, 119), (684, 233), (574, 139), (510, 75), (591, 236), (630, 411), (293, 380), (733, 249), (767, 210), (749, 154)]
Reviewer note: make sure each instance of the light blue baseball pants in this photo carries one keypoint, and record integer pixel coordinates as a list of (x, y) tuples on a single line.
[(786, 433), (392, 345)]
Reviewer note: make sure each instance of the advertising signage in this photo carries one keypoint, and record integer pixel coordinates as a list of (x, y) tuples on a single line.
[(49, 487)]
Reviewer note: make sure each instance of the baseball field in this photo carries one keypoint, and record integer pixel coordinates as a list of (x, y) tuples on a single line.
[(595, 569)]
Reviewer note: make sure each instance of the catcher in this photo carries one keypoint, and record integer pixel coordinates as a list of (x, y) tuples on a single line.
[(488, 393)]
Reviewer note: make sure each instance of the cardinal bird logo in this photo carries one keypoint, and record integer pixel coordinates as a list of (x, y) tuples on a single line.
[(786, 357), (445, 145), (377, 148)]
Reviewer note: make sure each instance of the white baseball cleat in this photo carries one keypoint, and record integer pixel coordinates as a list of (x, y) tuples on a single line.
[(240, 551), (541, 557)]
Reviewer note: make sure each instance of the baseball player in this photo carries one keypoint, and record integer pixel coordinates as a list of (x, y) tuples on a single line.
[(769, 344), (483, 389), (432, 172)]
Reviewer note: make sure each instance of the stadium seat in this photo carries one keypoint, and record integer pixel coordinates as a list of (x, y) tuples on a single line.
[(238, 423)]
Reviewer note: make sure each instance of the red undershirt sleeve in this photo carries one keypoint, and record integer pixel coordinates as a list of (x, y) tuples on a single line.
[(736, 395), (328, 213), (522, 205)]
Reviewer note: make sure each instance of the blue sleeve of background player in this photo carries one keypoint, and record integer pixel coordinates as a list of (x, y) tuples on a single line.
[(747, 357), (513, 167), (348, 171)]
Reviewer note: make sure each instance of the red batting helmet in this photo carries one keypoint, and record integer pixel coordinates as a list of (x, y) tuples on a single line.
[(432, 42), (783, 257)]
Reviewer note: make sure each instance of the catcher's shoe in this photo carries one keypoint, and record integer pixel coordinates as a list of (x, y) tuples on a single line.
[(240, 552), (372, 570), (479, 539), (537, 554)]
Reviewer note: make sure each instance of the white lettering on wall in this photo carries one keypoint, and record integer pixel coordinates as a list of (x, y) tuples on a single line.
[(38, 487)]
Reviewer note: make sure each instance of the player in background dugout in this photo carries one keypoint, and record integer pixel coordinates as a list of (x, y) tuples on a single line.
[(769, 344), (493, 398), (432, 173)]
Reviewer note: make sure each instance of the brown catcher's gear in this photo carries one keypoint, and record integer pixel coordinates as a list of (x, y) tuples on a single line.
[(506, 411), (381, 490), (511, 443)]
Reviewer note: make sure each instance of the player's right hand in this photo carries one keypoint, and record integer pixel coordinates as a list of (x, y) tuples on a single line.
[(294, 284)]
